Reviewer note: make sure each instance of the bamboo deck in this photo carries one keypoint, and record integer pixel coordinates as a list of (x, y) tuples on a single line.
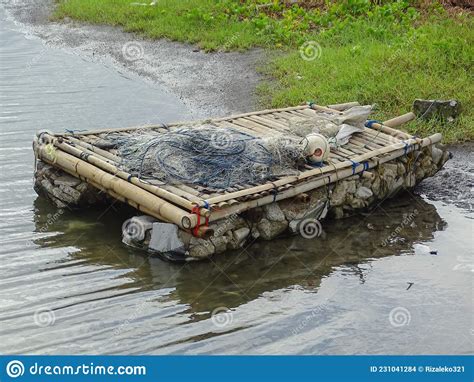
[(193, 207)]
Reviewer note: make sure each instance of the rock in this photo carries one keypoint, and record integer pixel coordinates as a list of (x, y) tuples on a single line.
[(220, 243), (358, 203), (66, 180), (273, 212), (363, 193), (401, 170), (396, 185), (351, 187), (239, 237), (339, 194), (445, 110), (74, 194), (436, 154), (376, 185), (295, 209), (338, 213), (419, 173), (268, 230), (201, 251), (390, 169), (410, 181)]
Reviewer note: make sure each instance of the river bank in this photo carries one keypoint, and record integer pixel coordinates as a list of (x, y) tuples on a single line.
[(208, 84)]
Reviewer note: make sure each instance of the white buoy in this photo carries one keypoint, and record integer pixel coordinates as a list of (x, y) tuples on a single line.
[(316, 149)]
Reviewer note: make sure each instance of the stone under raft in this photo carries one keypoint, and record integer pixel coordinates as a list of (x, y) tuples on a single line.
[(188, 221)]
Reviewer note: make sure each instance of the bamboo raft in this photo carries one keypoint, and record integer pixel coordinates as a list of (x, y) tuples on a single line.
[(192, 208)]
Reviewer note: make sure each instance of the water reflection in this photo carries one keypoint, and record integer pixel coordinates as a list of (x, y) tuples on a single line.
[(238, 277)]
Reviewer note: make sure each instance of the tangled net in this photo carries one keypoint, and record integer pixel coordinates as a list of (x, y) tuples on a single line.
[(211, 157)]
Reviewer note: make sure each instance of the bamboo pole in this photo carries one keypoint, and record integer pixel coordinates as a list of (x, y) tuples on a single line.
[(343, 106), (157, 206), (400, 120), (201, 232), (169, 196)]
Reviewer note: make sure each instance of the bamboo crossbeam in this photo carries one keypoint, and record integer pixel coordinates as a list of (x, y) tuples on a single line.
[(174, 124)]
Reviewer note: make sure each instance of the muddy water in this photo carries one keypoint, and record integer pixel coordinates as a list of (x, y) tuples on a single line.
[(397, 280)]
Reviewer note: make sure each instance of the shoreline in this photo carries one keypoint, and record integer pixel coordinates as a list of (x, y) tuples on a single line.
[(209, 84)]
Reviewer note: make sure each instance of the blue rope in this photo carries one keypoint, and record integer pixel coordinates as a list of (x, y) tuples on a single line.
[(73, 131), (206, 204), (405, 149), (366, 167), (129, 179), (354, 166), (274, 191), (370, 122)]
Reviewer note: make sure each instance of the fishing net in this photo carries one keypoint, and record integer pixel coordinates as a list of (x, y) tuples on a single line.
[(220, 158), (211, 157)]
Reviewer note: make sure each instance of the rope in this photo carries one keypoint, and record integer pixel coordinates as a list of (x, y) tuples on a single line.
[(73, 132), (274, 192), (405, 148), (354, 166), (195, 210), (371, 122)]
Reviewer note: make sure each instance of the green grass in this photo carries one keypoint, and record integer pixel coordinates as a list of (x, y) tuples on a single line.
[(387, 54)]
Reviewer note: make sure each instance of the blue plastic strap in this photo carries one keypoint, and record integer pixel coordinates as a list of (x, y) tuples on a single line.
[(274, 191), (129, 179), (72, 131), (206, 204), (370, 123), (354, 166), (366, 167), (405, 149)]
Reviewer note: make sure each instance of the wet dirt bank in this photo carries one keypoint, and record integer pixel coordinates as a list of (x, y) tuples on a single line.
[(209, 84)]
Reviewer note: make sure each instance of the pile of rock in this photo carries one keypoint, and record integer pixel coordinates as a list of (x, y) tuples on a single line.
[(63, 189), (302, 214)]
